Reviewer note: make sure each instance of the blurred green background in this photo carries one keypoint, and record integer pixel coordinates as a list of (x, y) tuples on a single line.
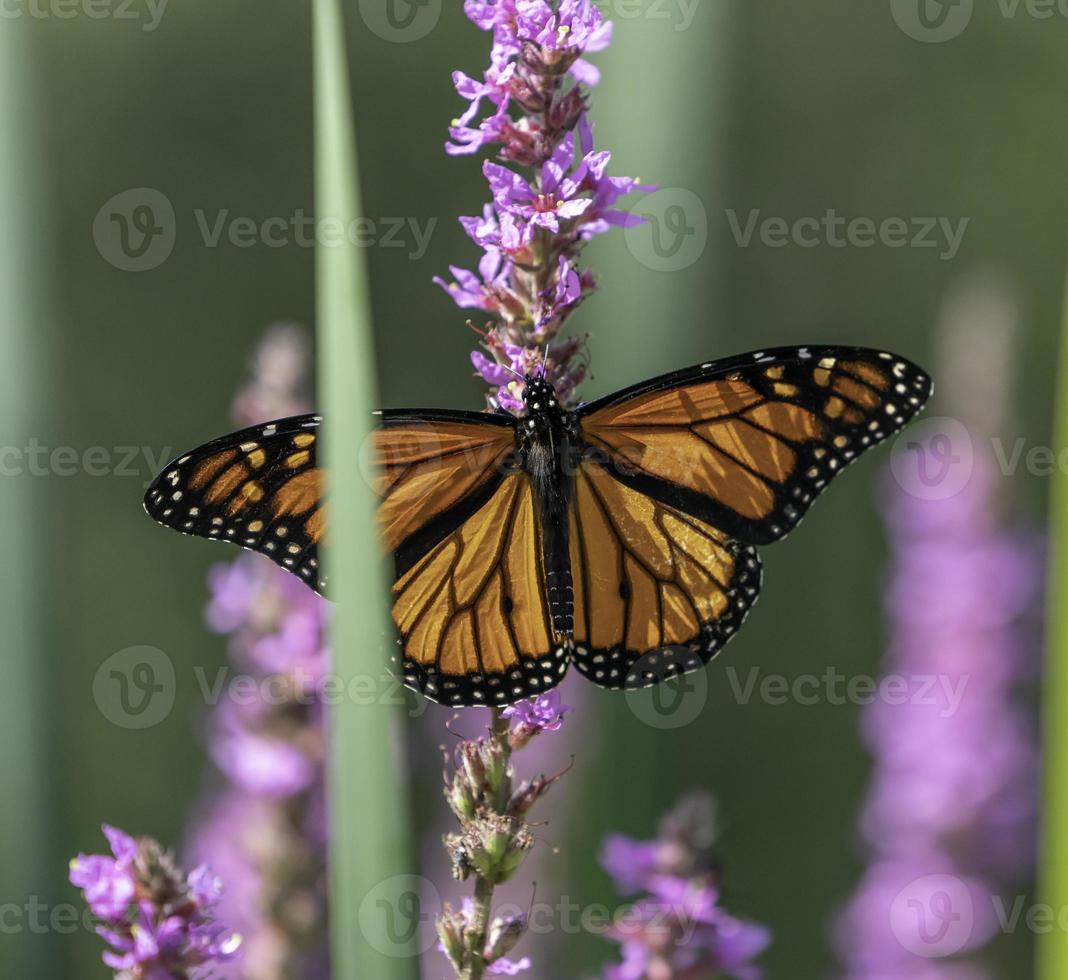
[(792, 109)]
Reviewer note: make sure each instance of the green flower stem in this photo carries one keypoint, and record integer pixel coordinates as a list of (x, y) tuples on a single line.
[(484, 888), (1052, 956), (370, 846)]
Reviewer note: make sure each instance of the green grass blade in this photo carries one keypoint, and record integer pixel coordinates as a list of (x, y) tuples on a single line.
[(1052, 956), (24, 398), (372, 918)]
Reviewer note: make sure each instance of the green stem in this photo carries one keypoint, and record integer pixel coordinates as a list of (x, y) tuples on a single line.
[(1052, 954), (370, 865), (484, 888)]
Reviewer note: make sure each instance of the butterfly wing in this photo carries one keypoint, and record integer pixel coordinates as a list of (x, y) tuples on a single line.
[(657, 591), (747, 444), (457, 516), (471, 610), (260, 488)]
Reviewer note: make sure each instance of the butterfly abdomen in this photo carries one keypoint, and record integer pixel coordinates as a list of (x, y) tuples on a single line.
[(561, 594)]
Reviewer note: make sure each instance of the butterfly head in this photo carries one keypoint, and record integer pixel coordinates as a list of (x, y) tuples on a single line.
[(539, 396)]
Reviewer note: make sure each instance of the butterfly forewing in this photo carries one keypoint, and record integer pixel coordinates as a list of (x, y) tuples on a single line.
[(747, 444), (259, 488)]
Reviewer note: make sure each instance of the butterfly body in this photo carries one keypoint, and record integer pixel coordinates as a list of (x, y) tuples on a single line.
[(549, 450), (620, 537)]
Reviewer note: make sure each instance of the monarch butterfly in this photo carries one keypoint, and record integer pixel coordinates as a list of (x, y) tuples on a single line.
[(621, 536)]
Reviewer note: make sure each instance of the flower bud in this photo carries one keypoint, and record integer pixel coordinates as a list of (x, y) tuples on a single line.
[(496, 845), (451, 933)]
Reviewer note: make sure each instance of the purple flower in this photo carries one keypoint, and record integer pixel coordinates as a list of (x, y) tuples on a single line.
[(509, 968), (265, 829), (107, 882), (951, 811), (260, 764), (678, 929), (174, 929), (544, 713), (631, 863), (529, 281)]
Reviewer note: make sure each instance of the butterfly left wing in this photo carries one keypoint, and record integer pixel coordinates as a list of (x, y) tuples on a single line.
[(657, 592), (262, 488), (747, 444)]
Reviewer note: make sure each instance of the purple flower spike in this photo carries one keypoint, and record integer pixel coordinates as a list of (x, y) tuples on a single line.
[(950, 818), (529, 282), (174, 929)]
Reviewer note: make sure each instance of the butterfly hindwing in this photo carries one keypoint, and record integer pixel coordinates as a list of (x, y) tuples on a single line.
[(657, 592), (747, 444), (472, 612)]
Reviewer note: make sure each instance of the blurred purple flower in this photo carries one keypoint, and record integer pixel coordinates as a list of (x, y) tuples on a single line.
[(174, 928), (950, 815), (679, 928), (265, 828)]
